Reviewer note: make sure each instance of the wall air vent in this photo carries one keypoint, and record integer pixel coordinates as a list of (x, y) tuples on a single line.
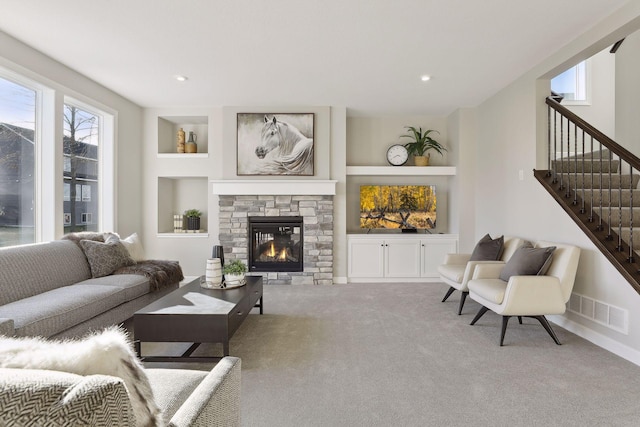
[(608, 315)]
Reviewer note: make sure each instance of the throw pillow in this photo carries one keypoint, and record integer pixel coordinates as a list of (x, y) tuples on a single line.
[(107, 352), (134, 247), (105, 258), (488, 249), (528, 261)]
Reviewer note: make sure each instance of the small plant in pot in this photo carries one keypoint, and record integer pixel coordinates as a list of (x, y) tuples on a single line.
[(193, 219), (420, 145), (234, 271)]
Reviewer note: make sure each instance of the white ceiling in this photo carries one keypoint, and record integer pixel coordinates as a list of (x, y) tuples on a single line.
[(367, 55)]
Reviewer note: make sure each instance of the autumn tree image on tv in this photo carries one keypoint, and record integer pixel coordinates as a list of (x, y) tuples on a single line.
[(398, 206)]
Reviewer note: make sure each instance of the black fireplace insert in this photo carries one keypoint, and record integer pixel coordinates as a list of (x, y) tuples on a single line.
[(275, 243)]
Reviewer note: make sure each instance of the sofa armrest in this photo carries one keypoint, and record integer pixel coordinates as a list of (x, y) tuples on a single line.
[(471, 268), (6, 327), (488, 271), (457, 259), (533, 295), (216, 400)]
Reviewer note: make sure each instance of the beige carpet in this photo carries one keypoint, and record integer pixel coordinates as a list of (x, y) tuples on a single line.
[(394, 355)]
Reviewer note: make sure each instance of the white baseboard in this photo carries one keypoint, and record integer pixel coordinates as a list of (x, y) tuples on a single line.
[(626, 352), (339, 280)]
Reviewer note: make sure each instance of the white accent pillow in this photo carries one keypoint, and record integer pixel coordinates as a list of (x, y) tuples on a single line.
[(106, 352), (134, 246)]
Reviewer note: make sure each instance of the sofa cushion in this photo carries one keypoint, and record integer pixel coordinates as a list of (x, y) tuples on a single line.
[(105, 258), (33, 269), (492, 290), (50, 398), (528, 261), (134, 285), (171, 388), (488, 249), (54, 311)]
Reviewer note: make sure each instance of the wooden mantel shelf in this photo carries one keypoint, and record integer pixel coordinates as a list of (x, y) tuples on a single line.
[(309, 187), (401, 170)]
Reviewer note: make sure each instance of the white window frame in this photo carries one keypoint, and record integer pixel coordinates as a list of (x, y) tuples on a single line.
[(587, 85), (106, 161)]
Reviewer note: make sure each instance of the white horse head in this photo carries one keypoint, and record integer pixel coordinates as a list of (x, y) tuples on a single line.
[(292, 150)]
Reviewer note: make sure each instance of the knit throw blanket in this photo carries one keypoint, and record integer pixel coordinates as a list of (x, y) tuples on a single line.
[(159, 273)]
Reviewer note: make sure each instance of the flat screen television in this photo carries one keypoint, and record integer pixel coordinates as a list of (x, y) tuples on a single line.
[(398, 206)]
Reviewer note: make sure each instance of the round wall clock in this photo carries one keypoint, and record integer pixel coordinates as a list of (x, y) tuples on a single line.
[(397, 155)]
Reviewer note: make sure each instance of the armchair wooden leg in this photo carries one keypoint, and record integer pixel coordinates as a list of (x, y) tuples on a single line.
[(520, 319), (482, 311), (463, 297), (505, 321), (545, 324), (448, 294)]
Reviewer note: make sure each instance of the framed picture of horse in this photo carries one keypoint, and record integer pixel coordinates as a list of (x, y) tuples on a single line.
[(275, 143)]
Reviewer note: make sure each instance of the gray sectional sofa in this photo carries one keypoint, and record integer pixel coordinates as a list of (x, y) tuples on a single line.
[(47, 290)]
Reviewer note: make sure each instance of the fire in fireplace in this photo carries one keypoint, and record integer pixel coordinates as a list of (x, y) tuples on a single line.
[(275, 243)]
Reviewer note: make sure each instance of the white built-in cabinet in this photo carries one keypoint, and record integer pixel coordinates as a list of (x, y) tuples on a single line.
[(393, 257)]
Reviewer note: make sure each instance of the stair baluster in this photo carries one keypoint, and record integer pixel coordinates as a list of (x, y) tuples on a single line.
[(591, 188), (631, 258), (549, 169), (575, 163), (609, 236), (600, 226), (619, 247), (582, 210), (561, 153)]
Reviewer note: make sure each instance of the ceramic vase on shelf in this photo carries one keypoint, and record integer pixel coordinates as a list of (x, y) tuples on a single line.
[(190, 146), (213, 274), (181, 141)]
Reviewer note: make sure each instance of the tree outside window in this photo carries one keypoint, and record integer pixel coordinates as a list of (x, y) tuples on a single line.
[(80, 151)]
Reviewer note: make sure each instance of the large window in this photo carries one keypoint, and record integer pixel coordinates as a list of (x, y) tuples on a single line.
[(17, 163), (81, 166)]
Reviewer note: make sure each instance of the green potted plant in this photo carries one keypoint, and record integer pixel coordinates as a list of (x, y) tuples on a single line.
[(193, 219), (234, 272), (420, 145)]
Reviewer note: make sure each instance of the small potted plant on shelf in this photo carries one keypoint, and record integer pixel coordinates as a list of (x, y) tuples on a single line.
[(193, 219), (420, 145), (234, 272)]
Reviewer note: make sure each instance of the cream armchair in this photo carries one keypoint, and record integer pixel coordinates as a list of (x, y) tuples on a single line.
[(457, 269), (530, 295)]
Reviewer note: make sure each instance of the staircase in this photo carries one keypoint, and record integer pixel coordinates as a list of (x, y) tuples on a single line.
[(595, 180)]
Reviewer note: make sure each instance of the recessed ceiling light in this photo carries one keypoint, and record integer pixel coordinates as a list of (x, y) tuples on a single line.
[(425, 78), (181, 78)]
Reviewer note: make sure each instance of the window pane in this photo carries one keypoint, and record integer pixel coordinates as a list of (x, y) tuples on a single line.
[(17, 152), (572, 84), (80, 146)]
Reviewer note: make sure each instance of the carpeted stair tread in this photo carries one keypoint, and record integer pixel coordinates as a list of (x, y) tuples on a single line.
[(588, 166), (624, 181), (616, 196)]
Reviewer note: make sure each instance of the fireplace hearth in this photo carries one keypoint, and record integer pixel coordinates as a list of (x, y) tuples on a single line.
[(275, 243)]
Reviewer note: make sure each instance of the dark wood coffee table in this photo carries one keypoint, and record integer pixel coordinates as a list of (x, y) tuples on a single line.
[(196, 315)]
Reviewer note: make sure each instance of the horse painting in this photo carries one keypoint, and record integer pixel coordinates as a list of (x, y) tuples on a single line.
[(281, 148)]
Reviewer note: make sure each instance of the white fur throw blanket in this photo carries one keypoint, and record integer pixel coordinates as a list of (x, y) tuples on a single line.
[(108, 352)]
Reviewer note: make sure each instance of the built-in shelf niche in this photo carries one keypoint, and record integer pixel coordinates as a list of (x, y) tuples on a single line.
[(168, 127), (178, 194)]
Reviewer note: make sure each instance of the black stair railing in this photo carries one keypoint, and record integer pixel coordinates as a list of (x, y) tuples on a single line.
[(594, 179)]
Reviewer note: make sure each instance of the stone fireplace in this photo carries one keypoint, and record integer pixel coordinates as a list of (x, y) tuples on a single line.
[(315, 209)]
